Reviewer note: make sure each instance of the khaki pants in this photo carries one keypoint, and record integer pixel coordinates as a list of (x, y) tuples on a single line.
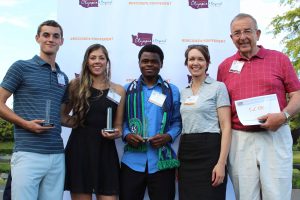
[(260, 164)]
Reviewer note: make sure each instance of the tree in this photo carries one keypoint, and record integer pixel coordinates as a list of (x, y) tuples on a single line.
[(288, 24), (6, 130)]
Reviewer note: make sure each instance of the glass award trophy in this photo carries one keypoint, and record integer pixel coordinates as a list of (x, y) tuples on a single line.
[(47, 121), (109, 128), (145, 132)]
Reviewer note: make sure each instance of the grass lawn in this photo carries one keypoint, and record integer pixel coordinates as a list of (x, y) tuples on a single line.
[(6, 147), (4, 167), (297, 157), (2, 182), (296, 172), (296, 179)]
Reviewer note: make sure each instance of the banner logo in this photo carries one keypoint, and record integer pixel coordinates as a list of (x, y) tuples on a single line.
[(88, 3), (197, 4), (94, 3), (105, 2), (142, 39)]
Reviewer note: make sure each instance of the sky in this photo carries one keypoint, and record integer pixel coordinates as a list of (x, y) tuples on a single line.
[(19, 20)]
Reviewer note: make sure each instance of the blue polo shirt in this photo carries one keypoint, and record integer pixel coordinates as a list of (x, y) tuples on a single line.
[(33, 84), (153, 114)]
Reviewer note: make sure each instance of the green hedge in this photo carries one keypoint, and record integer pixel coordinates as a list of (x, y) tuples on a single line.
[(296, 157), (4, 167), (6, 131), (296, 179), (6, 147)]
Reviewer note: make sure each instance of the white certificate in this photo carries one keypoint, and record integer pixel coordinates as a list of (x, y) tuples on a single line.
[(248, 110)]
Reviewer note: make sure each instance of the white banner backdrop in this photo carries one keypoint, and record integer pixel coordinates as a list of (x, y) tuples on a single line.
[(123, 27)]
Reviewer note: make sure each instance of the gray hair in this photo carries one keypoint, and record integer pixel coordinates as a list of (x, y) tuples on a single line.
[(242, 16)]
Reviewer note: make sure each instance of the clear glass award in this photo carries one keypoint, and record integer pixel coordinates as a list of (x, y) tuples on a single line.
[(47, 121), (145, 135), (109, 128)]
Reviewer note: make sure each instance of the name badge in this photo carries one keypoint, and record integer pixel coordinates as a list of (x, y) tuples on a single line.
[(236, 66), (61, 79), (191, 100), (157, 98), (113, 96)]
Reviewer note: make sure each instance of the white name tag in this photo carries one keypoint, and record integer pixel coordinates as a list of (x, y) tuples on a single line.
[(236, 66), (61, 79), (157, 98), (113, 96), (191, 100)]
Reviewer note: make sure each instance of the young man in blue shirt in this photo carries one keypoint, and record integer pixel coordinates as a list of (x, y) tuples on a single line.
[(152, 123), (38, 87)]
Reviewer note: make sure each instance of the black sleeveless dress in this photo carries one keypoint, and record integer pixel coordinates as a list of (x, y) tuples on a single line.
[(92, 164)]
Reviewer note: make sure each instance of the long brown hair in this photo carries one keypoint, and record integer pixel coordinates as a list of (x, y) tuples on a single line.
[(79, 88)]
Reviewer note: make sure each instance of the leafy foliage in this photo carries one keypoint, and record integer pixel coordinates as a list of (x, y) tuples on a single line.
[(295, 122), (289, 24), (296, 179), (6, 130), (297, 147)]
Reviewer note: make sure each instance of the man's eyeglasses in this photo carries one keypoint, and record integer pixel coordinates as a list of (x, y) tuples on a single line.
[(246, 32)]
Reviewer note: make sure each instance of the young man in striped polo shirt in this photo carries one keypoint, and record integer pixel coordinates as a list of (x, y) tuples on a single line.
[(38, 87)]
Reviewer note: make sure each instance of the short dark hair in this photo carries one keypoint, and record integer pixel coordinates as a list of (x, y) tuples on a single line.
[(50, 23), (153, 49)]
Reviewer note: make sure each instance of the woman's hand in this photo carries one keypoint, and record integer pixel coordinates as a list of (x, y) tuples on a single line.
[(218, 174), (112, 135)]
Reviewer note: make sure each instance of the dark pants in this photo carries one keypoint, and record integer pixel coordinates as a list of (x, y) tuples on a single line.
[(161, 185), (7, 190)]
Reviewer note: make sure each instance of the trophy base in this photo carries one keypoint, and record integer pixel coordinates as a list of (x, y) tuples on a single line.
[(47, 124), (145, 139), (109, 130)]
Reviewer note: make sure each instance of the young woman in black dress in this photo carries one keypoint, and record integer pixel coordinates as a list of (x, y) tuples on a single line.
[(92, 164)]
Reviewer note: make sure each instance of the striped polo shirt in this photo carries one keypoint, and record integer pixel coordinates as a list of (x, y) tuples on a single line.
[(38, 93)]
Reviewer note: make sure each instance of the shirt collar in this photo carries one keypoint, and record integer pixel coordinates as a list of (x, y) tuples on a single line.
[(41, 62), (159, 81), (207, 80), (260, 54)]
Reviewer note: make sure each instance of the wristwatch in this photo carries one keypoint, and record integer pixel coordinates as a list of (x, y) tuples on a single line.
[(287, 115)]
